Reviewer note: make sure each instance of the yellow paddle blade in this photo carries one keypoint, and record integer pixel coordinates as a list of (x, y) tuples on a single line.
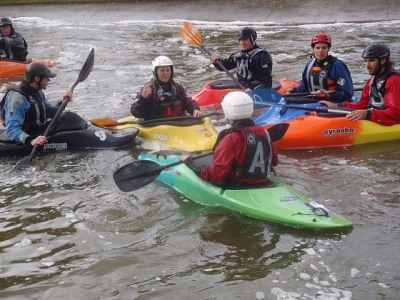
[(104, 122), (190, 34)]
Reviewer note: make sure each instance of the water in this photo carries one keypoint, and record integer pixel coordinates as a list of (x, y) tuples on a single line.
[(67, 232)]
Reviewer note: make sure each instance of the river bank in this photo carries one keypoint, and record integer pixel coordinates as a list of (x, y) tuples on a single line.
[(294, 11)]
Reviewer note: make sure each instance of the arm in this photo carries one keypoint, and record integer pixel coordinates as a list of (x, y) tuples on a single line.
[(344, 83), (143, 103), (223, 158), (188, 103), (262, 65), (229, 63), (15, 40), (391, 114), (51, 109), (15, 108)]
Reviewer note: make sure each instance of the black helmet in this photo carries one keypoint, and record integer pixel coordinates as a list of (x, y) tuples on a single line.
[(38, 69), (5, 22), (376, 51), (248, 32)]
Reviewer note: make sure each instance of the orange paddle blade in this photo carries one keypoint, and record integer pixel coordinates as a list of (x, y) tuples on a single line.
[(104, 122), (190, 34)]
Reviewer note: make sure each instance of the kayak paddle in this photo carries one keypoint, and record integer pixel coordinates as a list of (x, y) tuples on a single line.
[(107, 122), (337, 110), (84, 73), (191, 35), (140, 173)]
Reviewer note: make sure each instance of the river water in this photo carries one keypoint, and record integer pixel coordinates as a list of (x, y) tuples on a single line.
[(67, 232)]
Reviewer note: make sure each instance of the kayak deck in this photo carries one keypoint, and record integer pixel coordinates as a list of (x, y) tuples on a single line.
[(278, 203), (212, 93), (196, 135), (10, 68)]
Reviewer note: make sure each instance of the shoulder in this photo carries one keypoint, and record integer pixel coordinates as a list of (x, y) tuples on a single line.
[(179, 86), (15, 99)]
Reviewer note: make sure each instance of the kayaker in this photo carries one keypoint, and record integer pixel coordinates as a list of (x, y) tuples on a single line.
[(163, 97), (12, 44), (25, 110), (325, 73), (244, 153), (380, 98), (253, 64)]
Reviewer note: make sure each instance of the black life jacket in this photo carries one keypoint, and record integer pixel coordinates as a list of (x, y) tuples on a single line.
[(317, 74), (377, 90), (258, 158), (36, 114), (243, 60)]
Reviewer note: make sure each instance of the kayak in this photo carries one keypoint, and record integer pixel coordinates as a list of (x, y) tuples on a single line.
[(277, 202), (212, 93), (314, 130), (10, 68), (72, 132), (183, 133)]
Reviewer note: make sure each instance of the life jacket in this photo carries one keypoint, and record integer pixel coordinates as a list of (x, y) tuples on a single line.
[(317, 74), (258, 157), (18, 53), (377, 90), (167, 99), (243, 60), (36, 114)]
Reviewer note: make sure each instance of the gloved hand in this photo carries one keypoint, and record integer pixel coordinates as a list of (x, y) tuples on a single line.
[(291, 90)]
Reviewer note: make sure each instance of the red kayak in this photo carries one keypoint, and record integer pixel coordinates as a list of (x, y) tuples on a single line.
[(213, 92)]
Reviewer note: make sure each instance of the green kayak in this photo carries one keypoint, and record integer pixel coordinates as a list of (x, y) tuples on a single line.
[(278, 202)]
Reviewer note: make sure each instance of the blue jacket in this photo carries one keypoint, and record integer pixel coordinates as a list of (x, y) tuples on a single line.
[(18, 118), (337, 73)]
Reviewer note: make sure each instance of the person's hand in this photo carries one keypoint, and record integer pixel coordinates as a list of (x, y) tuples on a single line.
[(184, 157), (68, 94), (322, 93), (214, 58), (197, 113), (40, 140), (328, 103), (356, 115), (290, 90), (146, 91)]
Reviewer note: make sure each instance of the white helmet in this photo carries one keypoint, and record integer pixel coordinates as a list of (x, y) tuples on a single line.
[(237, 105), (161, 61)]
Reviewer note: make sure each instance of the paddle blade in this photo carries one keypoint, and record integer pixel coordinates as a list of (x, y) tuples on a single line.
[(136, 175), (190, 34), (86, 69), (277, 131), (104, 122)]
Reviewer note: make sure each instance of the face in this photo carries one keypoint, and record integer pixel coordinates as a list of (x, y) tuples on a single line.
[(372, 65), (5, 30), (43, 84), (245, 44), (320, 51), (164, 74)]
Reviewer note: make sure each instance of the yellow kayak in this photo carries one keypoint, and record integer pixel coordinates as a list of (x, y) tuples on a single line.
[(184, 133)]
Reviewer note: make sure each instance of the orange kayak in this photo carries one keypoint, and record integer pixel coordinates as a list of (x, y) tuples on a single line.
[(312, 131), (213, 92), (11, 68)]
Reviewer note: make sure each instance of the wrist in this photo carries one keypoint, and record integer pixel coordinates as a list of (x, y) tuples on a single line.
[(368, 117)]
